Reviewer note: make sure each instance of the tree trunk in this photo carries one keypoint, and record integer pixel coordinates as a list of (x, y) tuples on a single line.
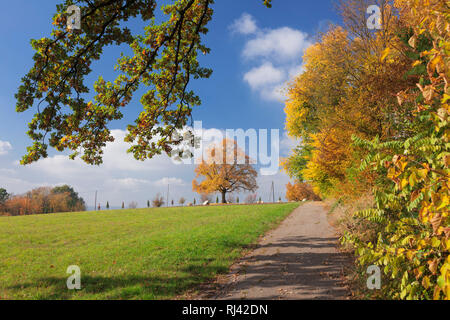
[(223, 197)]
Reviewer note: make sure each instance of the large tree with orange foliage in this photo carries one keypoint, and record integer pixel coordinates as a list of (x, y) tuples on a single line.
[(226, 169)]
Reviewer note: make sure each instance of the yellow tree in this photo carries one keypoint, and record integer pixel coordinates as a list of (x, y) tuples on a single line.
[(346, 90), (226, 169)]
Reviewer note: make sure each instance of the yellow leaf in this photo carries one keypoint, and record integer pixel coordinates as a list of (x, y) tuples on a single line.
[(404, 183), (403, 165), (435, 242), (422, 173), (433, 63), (412, 179), (445, 98), (444, 202), (385, 53), (426, 282)]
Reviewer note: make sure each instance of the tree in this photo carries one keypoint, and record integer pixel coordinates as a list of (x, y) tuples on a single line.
[(300, 191), (217, 199), (43, 200), (74, 202), (411, 213), (226, 169), (172, 202), (3, 196), (158, 201), (148, 203), (182, 201), (237, 199), (123, 205), (195, 201), (164, 59), (107, 205)]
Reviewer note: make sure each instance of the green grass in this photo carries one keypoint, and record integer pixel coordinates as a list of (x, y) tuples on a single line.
[(127, 254)]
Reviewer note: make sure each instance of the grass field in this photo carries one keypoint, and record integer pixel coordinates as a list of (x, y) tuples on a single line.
[(127, 254)]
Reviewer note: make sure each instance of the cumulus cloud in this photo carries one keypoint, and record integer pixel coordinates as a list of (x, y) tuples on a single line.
[(245, 24), (129, 182), (275, 57), (5, 147), (264, 75), (282, 43), (170, 181)]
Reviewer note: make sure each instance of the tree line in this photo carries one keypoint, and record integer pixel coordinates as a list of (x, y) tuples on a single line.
[(41, 201)]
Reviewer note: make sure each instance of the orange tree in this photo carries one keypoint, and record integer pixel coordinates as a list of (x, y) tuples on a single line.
[(299, 191), (226, 169), (163, 59), (345, 90)]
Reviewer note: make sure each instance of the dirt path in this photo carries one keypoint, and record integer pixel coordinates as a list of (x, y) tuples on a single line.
[(298, 260)]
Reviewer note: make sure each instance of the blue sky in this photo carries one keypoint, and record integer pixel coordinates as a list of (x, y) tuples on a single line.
[(255, 50)]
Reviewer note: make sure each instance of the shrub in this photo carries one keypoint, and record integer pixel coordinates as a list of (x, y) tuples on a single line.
[(158, 201)]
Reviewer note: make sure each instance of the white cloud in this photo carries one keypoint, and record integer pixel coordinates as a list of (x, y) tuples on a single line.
[(244, 25), (5, 147), (264, 75), (115, 159), (129, 182), (283, 43), (170, 181), (276, 52)]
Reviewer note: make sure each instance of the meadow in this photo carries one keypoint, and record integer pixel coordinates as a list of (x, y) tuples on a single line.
[(157, 253)]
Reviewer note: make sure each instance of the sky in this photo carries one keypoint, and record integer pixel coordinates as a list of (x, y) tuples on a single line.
[(255, 51)]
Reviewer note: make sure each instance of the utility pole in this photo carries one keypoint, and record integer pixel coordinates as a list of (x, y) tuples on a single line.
[(273, 192), (167, 194), (95, 205)]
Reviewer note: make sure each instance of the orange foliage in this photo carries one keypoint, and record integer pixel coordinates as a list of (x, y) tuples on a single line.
[(300, 191), (227, 169), (41, 200)]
